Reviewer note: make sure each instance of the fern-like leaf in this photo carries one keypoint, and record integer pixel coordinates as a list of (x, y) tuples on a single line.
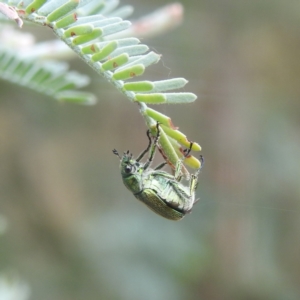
[(88, 27), (51, 79)]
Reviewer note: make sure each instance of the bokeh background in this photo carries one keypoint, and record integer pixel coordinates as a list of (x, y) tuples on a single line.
[(73, 230)]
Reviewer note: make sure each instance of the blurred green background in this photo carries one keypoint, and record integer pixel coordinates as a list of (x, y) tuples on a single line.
[(75, 232)]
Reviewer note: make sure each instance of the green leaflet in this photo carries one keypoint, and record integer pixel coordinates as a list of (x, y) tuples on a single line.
[(88, 28)]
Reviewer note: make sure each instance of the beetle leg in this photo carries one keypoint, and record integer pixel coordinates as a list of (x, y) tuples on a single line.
[(202, 162), (180, 162), (194, 179), (147, 149), (177, 174), (161, 166), (179, 178), (193, 182), (153, 148)]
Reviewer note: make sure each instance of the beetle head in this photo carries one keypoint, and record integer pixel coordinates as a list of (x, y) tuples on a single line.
[(128, 165)]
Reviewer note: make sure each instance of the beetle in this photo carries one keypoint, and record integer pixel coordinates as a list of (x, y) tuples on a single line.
[(160, 191)]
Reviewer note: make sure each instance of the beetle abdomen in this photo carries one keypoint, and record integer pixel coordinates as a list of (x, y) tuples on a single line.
[(159, 206)]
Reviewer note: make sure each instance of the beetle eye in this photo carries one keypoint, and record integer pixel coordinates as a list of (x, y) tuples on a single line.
[(128, 169)]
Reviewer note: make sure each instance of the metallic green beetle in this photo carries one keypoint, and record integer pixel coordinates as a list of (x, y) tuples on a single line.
[(159, 190)]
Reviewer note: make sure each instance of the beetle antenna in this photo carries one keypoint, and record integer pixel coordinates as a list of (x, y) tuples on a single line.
[(115, 152)]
